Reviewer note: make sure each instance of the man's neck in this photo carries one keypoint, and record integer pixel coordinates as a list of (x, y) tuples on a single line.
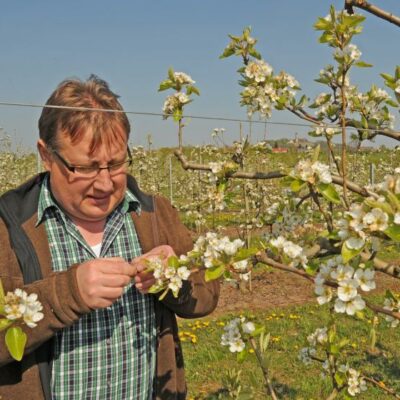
[(92, 231)]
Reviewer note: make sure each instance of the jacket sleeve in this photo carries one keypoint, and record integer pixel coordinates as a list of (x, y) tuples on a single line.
[(197, 297), (58, 294)]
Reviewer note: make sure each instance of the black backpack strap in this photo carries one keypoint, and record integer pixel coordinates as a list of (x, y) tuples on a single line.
[(31, 271)]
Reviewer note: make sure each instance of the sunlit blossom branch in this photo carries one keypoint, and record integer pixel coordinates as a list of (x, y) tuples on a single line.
[(239, 174), (324, 247), (264, 259), (364, 5), (391, 133), (382, 266), (268, 175), (381, 386), (382, 310)]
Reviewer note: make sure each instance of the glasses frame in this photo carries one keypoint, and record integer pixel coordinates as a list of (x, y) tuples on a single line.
[(72, 168)]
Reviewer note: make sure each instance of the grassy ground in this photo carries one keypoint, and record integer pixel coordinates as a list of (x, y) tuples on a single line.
[(208, 363)]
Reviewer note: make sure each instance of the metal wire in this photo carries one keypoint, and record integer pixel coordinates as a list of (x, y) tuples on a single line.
[(202, 117)]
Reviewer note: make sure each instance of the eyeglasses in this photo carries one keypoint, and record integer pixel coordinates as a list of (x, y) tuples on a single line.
[(93, 171)]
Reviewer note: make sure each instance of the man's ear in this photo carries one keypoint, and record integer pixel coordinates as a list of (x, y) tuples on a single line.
[(45, 155)]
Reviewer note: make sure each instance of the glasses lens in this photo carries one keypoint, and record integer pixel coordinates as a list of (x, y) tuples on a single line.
[(118, 167), (87, 172)]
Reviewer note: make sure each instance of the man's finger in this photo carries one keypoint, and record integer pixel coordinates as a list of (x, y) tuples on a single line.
[(115, 280)]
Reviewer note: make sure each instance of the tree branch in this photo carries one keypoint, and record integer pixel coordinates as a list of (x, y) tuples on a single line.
[(186, 165), (364, 5), (261, 257)]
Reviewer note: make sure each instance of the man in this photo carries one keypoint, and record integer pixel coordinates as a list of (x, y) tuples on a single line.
[(91, 229)]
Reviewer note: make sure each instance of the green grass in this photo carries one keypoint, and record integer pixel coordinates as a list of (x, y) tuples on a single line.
[(207, 362)]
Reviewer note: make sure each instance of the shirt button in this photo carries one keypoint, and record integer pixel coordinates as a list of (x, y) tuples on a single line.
[(108, 341)]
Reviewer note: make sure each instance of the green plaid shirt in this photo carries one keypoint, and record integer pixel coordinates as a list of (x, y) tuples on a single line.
[(108, 353)]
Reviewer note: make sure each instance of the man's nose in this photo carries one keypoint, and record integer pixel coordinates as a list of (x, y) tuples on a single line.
[(103, 181)]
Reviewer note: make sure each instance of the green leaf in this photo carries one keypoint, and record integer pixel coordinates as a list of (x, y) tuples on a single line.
[(394, 201), (4, 323), (393, 231), (296, 185), (326, 37), (166, 84), (171, 75), (391, 102), (173, 262), (244, 254), (163, 294), (157, 288), (312, 268), (322, 24), (229, 51), (15, 341), (214, 273), (388, 78), (348, 254), (195, 90), (362, 64), (258, 331), (353, 20), (177, 115), (334, 349), (340, 379), (240, 357), (264, 341), (253, 52), (378, 204), (329, 192)]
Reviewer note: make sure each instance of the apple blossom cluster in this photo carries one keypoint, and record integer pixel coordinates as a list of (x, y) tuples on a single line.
[(372, 106), (263, 89), (390, 183), (168, 277), (355, 383), (347, 54), (320, 336), (18, 305), (358, 222), (320, 339), (349, 281), (183, 79), (292, 253), (175, 102), (235, 332), (392, 304), (212, 251), (311, 172)]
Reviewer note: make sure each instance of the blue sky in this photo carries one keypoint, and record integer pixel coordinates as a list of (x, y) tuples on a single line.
[(131, 44)]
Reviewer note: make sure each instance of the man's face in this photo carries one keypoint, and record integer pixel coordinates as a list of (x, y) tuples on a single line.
[(84, 199)]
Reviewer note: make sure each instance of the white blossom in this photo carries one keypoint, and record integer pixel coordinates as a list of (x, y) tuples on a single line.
[(258, 70), (365, 278), (376, 220), (20, 305), (183, 78)]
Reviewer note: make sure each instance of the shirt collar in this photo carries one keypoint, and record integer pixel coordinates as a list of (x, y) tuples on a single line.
[(46, 201)]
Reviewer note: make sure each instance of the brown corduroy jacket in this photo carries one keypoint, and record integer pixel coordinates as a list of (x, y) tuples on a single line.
[(158, 223)]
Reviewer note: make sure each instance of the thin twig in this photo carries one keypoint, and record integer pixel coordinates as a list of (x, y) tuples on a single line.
[(264, 369)]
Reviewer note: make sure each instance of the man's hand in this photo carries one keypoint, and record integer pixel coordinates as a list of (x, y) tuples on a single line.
[(101, 281), (144, 280)]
